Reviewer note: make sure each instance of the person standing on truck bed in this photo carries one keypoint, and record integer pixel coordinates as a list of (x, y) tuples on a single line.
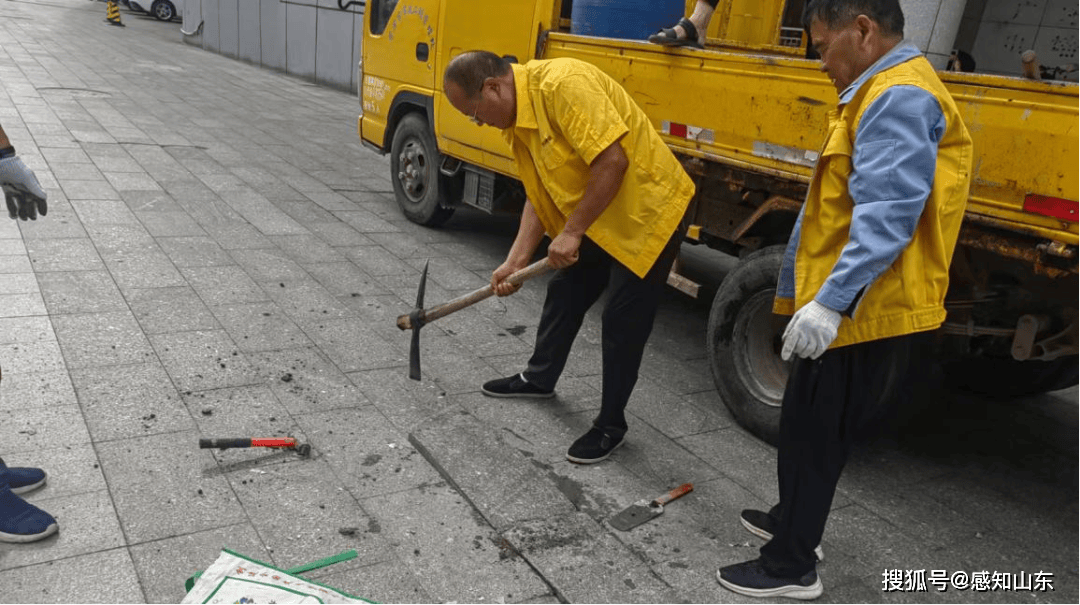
[(865, 271), (611, 195)]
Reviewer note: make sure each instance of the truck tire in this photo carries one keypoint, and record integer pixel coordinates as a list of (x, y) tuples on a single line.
[(744, 337), (744, 342), (1008, 378), (422, 192)]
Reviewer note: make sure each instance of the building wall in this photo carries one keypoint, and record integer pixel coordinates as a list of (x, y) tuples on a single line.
[(1006, 28), (310, 39)]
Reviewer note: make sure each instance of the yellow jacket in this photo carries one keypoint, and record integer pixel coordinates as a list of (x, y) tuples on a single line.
[(568, 111), (830, 255)]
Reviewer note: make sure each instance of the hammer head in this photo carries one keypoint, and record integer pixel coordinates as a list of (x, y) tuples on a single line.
[(417, 323)]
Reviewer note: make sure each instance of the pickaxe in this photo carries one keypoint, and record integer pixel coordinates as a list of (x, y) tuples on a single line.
[(421, 316)]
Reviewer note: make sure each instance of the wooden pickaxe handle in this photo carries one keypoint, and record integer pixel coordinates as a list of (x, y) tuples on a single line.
[(429, 315)]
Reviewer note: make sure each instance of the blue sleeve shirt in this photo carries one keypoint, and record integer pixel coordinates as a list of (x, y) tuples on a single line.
[(893, 166)]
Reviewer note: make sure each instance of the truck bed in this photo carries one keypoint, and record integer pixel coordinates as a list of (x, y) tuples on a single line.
[(1025, 132)]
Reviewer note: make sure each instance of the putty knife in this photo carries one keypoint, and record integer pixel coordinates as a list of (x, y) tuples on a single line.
[(643, 510)]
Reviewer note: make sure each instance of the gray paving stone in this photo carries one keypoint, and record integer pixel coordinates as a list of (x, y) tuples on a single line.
[(309, 213), (353, 346), (194, 251), (223, 285), (306, 249), (169, 223), (459, 556), (70, 470), (121, 241), (267, 264), (386, 582), (105, 212), (27, 390), (119, 402), (76, 171), (21, 305), (250, 411), (51, 582), (68, 292), (26, 430), (161, 310), (369, 455), (11, 263), (164, 565), (166, 501), (260, 327), (298, 510), (132, 181), (87, 524), (305, 380), (306, 301), (206, 359), (535, 427), (26, 329), (459, 446), (88, 189), (101, 339), (151, 269), (233, 235), (345, 280), (668, 412), (377, 262), (406, 403), (24, 357), (12, 247), (73, 254), (62, 224), (585, 563)]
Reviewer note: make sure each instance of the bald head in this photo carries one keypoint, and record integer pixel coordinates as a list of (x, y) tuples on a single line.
[(470, 69)]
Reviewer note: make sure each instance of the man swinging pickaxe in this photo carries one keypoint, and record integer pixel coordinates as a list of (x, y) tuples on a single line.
[(421, 316)]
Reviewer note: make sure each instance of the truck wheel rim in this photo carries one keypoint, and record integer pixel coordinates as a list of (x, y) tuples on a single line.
[(761, 368), (412, 171)]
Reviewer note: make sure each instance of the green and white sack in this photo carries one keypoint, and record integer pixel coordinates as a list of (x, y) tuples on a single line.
[(234, 578)]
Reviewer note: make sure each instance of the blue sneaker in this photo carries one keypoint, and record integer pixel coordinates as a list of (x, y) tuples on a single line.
[(751, 579), (21, 521), (23, 479)]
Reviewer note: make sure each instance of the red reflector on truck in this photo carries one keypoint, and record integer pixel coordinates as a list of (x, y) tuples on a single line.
[(1056, 207)]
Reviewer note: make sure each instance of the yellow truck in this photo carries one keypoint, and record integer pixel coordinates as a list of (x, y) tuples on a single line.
[(746, 116)]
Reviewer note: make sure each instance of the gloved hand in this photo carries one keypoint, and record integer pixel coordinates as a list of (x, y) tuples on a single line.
[(22, 191), (810, 332)]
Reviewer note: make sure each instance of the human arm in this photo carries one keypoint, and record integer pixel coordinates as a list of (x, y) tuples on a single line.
[(530, 232), (22, 192), (606, 174)]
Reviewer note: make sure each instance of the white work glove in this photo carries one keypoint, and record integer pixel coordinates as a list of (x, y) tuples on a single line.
[(810, 332), (22, 191)]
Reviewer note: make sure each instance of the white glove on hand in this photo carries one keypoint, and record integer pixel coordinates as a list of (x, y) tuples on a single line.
[(810, 332), (22, 191)]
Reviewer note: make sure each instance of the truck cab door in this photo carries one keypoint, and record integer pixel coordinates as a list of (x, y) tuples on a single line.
[(508, 29), (398, 60)]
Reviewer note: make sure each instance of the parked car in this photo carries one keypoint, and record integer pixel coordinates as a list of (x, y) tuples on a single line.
[(165, 10)]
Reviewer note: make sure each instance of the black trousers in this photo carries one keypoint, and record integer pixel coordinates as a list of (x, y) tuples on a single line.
[(827, 402), (627, 322)]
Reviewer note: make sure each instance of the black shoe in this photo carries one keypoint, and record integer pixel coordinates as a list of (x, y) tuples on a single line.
[(760, 523), (592, 447), (514, 386), (751, 579)]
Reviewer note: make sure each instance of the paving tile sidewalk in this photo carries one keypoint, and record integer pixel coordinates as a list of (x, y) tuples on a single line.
[(222, 258)]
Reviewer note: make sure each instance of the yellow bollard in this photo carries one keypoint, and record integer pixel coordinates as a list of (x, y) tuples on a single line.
[(113, 14)]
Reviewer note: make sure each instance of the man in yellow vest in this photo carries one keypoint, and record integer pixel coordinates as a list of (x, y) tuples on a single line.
[(865, 272), (611, 195)]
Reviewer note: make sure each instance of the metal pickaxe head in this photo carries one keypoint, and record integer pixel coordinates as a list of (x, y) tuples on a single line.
[(419, 317), (416, 318)]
